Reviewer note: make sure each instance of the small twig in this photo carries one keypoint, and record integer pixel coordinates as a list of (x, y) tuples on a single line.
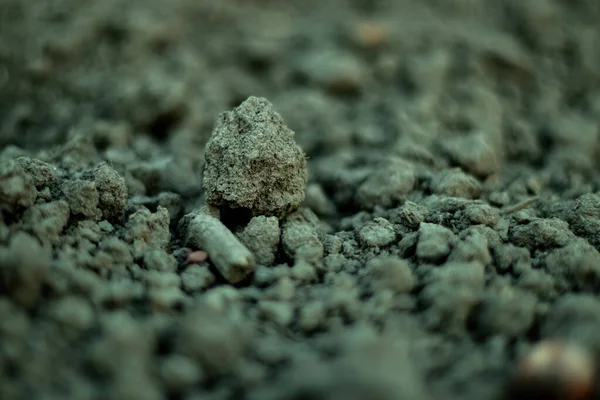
[(519, 206), (231, 258)]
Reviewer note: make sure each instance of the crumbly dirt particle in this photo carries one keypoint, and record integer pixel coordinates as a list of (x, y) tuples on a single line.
[(83, 198), (279, 312), (73, 313), (574, 317), (159, 260), (337, 72), (387, 184), (24, 265), (377, 233), (509, 313), (17, 189), (180, 373), (579, 261), (476, 153), (542, 233), (392, 273), (196, 278), (473, 247), (317, 200), (435, 242), (409, 215), (146, 230), (112, 191), (42, 173), (301, 241), (509, 257), (262, 236), (252, 161), (48, 220), (456, 183)]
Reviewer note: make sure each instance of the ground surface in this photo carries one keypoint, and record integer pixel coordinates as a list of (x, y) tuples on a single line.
[(417, 267)]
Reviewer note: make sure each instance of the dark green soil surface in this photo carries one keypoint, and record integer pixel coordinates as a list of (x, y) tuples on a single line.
[(440, 216)]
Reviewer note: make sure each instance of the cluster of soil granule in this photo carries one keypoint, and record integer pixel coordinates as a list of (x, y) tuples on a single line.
[(265, 200)]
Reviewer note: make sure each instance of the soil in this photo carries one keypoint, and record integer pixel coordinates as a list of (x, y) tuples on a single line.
[(400, 199)]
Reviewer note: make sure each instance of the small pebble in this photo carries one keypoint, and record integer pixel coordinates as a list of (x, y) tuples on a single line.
[(197, 257), (370, 34), (261, 236), (554, 370), (435, 242), (378, 233), (391, 273), (455, 183)]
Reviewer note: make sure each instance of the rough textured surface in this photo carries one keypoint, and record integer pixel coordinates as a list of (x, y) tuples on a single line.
[(387, 185), (418, 182), (253, 162), (232, 259), (262, 236), (24, 265), (17, 187), (111, 189)]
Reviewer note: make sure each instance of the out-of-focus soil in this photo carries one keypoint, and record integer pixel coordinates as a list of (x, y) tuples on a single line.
[(451, 219)]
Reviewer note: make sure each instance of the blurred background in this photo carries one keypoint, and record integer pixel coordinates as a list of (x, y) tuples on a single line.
[(342, 72)]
